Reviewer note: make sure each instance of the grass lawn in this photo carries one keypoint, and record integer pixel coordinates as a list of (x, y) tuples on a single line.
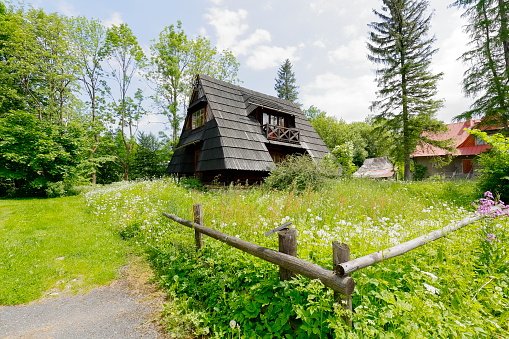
[(50, 245)]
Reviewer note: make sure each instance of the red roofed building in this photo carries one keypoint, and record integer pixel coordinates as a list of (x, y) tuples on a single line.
[(467, 147)]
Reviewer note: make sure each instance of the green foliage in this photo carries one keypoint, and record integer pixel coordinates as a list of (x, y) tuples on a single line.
[(191, 183), (368, 140), (285, 83), (486, 79), (300, 172), (221, 292), (175, 62), (344, 156), (420, 172), (34, 153), (405, 104), (149, 161), (313, 113), (494, 165)]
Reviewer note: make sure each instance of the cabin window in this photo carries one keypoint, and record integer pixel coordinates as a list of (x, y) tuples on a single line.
[(198, 118), (275, 120), (479, 141)]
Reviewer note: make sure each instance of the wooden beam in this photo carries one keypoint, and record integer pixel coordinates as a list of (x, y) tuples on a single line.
[(346, 268), (344, 285)]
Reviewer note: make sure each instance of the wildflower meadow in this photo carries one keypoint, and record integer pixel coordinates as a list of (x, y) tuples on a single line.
[(456, 287)]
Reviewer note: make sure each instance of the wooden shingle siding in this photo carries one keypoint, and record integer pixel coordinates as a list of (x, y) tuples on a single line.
[(234, 139)]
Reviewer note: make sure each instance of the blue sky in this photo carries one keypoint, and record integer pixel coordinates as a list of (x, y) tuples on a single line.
[(324, 39)]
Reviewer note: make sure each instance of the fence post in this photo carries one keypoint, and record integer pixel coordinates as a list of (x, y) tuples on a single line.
[(198, 219), (287, 245), (341, 254)]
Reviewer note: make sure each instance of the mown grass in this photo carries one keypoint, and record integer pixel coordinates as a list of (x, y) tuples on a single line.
[(49, 245)]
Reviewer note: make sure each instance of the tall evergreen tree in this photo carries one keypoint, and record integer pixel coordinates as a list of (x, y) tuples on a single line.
[(405, 103), (285, 83), (487, 78)]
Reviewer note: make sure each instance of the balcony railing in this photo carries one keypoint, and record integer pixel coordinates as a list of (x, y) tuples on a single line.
[(279, 133)]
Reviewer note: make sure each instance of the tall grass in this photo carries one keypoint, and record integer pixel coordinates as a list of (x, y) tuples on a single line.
[(434, 291)]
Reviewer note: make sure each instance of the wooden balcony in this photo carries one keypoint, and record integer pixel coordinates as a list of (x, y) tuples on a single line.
[(283, 134)]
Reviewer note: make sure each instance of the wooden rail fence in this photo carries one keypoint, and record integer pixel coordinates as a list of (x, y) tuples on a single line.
[(339, 278)]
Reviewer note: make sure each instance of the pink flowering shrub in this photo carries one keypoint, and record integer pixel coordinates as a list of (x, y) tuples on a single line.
[(493, 249)]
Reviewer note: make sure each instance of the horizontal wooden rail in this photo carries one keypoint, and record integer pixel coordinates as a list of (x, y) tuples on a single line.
[(370, 259), (344, 285)]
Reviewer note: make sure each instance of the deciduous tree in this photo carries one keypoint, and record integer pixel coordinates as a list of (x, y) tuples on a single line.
[(124, 57), (175, 61)]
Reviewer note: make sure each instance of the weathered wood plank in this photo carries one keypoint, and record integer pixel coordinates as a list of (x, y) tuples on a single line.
[(287, 245), (346, 268), (344, 285), (198, 219), (341, 254)]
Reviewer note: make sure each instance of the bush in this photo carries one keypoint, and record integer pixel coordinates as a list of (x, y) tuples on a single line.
[(300, 172), (494, 165), (35, 153), (420, 172), (55, 189), (191, 183), (344, 155)]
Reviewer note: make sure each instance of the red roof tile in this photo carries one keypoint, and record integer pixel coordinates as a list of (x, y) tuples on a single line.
[(457, 132)]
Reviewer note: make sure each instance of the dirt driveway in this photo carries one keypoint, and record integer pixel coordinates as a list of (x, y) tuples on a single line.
[(127, 308)]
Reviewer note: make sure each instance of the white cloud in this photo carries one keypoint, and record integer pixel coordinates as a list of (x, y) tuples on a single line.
[(328, 6), (353, 54), (319, 43), (67, 8), (216, 2), (258, 37), (349, 31), (345, 98), (264, 57), (449, 88), (229, 26), (114, 20)]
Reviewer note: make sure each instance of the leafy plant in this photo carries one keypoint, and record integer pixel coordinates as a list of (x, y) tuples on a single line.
[(344, 156), (300, 172), (420, 172), (494, 164)]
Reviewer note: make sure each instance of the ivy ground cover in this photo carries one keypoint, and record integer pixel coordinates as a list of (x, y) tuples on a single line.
[(452, 288)]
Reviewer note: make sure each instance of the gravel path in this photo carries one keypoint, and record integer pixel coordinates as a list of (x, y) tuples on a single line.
[(128, 308)]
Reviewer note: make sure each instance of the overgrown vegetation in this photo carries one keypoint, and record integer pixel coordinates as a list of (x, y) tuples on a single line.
[(494, 165), (299, 172), (435, 291)]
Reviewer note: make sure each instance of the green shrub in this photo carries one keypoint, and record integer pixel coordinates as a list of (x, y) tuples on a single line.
[(420, 172), (55, 189), (191, 183), (300, 172), (344, 155), (494, 165)]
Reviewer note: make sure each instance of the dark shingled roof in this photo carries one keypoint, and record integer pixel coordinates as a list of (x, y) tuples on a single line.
[(234, 140)]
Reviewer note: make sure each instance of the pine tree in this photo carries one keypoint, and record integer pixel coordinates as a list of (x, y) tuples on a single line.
[(487, 78), (285, 83), (405, 99)]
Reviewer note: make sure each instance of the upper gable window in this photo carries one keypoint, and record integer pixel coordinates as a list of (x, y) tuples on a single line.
[(479, 141), (198, 118), (276, 120)]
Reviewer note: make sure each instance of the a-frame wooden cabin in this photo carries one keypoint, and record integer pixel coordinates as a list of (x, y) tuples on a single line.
[(232, 133)]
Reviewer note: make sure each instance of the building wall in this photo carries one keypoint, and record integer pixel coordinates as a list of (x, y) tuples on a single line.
[(453, 169)]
